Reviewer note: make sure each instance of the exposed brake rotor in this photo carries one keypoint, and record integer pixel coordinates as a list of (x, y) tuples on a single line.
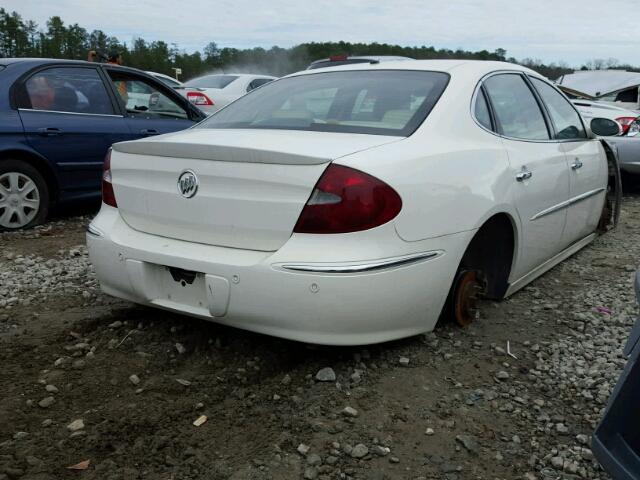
[(468, 291)]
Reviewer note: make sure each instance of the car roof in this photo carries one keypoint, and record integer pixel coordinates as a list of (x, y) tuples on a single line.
[(600, 82), (472, 67), (230, 74), (63, 61)]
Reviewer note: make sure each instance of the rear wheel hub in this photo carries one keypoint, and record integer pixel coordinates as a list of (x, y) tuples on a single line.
[(469, 289)]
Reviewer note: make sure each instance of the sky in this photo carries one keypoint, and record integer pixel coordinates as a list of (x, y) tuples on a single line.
[(560, 30)]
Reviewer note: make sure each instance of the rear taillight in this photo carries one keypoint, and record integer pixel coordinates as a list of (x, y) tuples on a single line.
[(625, 122), (348, 200), (199, 98), (108, 196)]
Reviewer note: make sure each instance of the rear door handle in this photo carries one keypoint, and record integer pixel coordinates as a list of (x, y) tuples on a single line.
[(576, 164), (149, 131), (524, 175), (49, 131)]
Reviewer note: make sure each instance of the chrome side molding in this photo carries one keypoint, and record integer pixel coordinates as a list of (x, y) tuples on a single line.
[(567, 203), (368, 266)]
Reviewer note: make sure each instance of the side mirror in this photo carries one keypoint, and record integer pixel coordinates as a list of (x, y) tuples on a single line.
[(603, 127)]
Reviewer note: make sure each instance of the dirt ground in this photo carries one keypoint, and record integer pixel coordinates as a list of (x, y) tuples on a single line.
[(451, 404)]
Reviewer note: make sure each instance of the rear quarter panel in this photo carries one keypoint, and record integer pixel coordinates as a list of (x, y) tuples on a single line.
[(452, 175)]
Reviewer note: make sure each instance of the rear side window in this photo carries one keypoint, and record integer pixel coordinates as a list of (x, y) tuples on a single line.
[(73, 90), (517, 111), (211, 81), (481, 111), (258, 82), (378, 102), (565, 118)]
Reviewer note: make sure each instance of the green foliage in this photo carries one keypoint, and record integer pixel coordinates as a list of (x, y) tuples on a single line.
[(19, 38)]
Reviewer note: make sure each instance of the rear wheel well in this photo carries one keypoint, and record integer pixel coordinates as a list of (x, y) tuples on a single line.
[(491, 252), (39, 164)]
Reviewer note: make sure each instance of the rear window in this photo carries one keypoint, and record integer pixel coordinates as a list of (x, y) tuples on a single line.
[(211, 81), (337, 63), (380, 102)]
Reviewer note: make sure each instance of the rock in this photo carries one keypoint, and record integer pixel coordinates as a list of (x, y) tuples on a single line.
[(20, 435), (582, 439), (429, 431), (47, 422), (502, 375), (303, 449), (561, 428), (134, 379), (180, 349), (326, 375), (183, 382), (350, 412), (116, 324), (76, 425), (394, 460), (557, 463), (51, 389), (469, 442), (310, 473), (314, 459), (286, 380), (79, 364), (359, 451), (47, 402), (380, 451), (331, 460), (404, 361)]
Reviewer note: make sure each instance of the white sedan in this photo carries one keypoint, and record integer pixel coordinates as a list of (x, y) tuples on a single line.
[(212, 92), (354, 205)]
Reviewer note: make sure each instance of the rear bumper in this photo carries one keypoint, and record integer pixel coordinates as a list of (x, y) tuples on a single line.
[(616, 441), (383, 296)]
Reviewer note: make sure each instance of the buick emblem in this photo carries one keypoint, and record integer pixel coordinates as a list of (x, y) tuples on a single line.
[(187, 184)]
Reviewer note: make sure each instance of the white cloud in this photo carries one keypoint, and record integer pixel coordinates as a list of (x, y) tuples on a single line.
[(570, 30)]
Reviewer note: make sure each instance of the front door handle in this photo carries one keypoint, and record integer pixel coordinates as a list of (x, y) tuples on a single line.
[(576, 164), (49, 131), (149, 131), (524, 175)]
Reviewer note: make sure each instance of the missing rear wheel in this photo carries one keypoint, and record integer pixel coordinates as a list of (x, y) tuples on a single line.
[(469, 288)]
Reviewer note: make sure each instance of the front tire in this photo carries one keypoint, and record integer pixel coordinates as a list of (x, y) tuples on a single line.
[(24, 196)]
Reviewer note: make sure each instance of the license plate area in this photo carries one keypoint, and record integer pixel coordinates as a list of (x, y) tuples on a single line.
[(183, 286), (183, 277)]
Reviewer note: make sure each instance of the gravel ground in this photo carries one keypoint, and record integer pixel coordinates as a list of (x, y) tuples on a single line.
[(114, 389)]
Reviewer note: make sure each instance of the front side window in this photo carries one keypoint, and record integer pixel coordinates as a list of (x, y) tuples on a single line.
[(63, 89), (516, 109), (379, 102), (565, 118), (142, 98)]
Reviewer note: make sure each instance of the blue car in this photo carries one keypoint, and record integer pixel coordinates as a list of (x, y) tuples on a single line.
[(58, 118)]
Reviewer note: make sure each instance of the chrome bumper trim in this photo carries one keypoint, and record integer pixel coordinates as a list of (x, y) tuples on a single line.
[(370, 266)]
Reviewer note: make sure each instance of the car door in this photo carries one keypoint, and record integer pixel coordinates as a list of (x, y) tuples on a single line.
[(586, 160), (70, 118), (149, 106), (540, 178)]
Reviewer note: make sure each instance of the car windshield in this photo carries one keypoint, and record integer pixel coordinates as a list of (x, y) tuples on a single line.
[(379, 102), (211, 81)]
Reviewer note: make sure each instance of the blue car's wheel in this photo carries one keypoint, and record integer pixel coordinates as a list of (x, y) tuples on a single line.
[(24, 196)]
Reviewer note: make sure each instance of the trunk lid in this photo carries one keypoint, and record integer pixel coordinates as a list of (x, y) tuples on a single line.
[(252, 184)]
